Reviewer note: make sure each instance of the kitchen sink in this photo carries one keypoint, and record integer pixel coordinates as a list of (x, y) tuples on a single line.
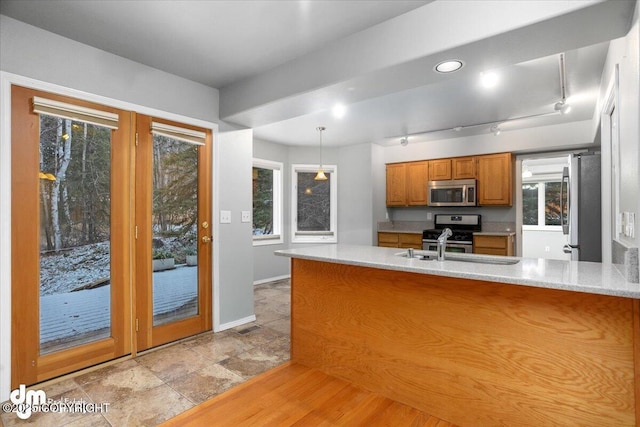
[(470, 258)]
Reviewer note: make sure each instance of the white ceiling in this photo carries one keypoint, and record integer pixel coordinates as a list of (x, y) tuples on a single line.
[(281, 65)]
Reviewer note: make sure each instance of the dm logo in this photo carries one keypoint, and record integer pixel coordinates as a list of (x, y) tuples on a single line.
[(26, 400)]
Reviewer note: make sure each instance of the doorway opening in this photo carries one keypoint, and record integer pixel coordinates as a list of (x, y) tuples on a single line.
[(541, 207)]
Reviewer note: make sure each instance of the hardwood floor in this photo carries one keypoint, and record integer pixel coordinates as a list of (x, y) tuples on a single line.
[(295, 395)]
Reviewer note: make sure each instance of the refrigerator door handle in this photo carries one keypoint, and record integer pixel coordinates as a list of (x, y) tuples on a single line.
[(564, 201), (567, 249)]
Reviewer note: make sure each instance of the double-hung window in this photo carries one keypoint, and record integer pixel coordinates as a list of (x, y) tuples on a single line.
[(267, 202), (314, 205)]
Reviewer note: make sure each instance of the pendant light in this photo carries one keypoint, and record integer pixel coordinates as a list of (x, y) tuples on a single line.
[(320, 176)]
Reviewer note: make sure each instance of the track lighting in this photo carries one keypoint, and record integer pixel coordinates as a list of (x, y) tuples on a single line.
[(495, 129), (562, 107), (404, 141)]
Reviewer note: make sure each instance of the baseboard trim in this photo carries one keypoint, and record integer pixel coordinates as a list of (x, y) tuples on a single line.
[(271, 279), (238, 322)]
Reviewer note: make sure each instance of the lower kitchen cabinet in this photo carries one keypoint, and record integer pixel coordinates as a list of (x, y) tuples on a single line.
[(400, 240), (493, 244)]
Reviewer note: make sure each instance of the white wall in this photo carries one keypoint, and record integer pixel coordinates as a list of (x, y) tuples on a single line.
[(536, 242), (625, 53), (233, 270), (355, 195)]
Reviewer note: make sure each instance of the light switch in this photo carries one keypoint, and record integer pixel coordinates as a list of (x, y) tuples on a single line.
[(225, 217), (246, 216)]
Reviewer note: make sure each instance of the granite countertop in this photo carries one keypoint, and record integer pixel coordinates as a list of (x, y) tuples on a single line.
[(404, 231), (577, 276), (494, 233)]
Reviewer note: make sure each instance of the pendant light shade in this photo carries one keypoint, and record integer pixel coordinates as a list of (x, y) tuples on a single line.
[(320, 176)]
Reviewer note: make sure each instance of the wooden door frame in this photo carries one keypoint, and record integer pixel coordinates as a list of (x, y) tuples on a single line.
[(28, 366), (147, 335)]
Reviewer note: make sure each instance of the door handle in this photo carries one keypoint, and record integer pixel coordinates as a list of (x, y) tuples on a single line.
[(567, 248), (206, 239)]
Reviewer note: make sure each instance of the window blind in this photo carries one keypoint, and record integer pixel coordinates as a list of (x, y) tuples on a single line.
[(74, 112), (181, 134)]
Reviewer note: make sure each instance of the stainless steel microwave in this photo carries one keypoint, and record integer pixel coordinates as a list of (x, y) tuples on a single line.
[(457, 192)]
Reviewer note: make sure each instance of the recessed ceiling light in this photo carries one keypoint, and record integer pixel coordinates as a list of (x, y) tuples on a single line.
[(489, 79), (449, 66), (339, 111)]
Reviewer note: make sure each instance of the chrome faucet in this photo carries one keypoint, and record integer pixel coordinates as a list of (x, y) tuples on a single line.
[(442, 243)]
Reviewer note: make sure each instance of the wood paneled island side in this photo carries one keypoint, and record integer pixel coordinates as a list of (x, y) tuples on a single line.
[(472, 352)]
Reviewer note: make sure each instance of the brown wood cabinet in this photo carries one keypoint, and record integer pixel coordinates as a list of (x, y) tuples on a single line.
[(440, 170), (407, 183), (397, 184), (495, 180), (464, 167), (493, 245), (400, 240)]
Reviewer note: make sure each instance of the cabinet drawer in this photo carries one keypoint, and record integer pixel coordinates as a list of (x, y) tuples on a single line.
[(410, 240), (387, 238), (490, 251), (498, 242)]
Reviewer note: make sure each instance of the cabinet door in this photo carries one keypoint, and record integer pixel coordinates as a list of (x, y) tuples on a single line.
[(389, 240), (495, 181), (397, 184), (417, 177), (493, 245), (464, 167), (440, 169)]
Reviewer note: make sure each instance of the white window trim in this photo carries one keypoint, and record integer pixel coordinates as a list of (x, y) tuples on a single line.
[(319, 237), (541, 205), (278, 190)]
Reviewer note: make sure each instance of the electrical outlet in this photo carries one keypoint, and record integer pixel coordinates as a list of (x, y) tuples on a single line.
[(225, 217), (429, 216), (547, 248), (246, 216)]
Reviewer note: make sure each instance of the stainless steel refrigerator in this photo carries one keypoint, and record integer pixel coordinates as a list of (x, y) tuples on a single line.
[(580, 207)]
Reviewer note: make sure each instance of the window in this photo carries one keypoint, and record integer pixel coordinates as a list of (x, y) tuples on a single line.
[(314, 205), (541, 204), (267, 202)]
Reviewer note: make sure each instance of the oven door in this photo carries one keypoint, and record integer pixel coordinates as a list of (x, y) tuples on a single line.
[(432, 245)]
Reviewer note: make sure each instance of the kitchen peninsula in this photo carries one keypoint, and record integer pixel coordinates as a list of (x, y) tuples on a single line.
[(537, 342)]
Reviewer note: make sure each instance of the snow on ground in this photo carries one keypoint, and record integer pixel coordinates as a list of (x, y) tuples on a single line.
[(73, 268)]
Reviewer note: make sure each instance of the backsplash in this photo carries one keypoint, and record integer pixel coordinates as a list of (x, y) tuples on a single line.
[(418, 226), (627, 260)]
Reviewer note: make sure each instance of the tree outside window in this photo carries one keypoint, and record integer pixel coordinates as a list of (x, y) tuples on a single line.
[(314, 205), (267, 202), (541, 203)]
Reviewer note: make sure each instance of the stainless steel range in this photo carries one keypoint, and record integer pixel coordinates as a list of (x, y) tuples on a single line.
[(463, 226)]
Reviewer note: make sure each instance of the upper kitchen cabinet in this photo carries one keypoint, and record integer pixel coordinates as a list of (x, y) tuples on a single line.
[(397, 184), (495, 180), (455, 168), (440, 170), (464, 167), (407, 183)]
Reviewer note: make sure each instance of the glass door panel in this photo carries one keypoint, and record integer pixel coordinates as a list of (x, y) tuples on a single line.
[(75, 187), (175, 230), (173, 237), (71, 235)]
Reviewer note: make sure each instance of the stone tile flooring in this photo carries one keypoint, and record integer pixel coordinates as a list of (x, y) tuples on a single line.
[(163, 383)]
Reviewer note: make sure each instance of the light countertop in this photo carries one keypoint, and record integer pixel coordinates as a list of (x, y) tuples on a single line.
[(577, 276), (494, 233)]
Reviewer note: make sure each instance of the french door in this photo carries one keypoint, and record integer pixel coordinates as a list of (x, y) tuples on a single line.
[(85, 209), (173, 231)]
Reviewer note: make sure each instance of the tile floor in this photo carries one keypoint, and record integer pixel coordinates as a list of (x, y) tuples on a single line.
[(163, 383)]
